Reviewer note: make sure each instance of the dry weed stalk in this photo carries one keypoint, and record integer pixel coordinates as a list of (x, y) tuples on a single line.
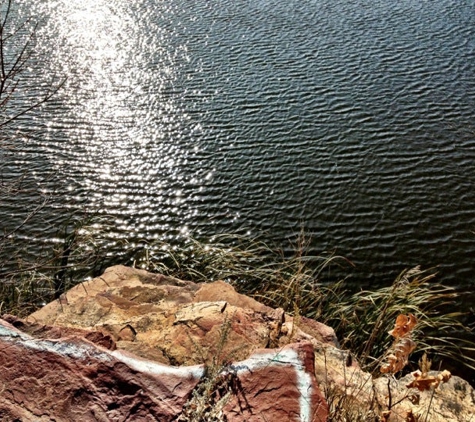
[(423, 381), (217, 384), (397, 359), (403, 344)]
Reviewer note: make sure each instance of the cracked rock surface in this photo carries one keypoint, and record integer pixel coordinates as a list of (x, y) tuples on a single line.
[(131, 345), (134, 346)]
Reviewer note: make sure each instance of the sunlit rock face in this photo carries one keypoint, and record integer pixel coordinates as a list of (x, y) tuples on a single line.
[(131, 345), (129, 340), (173, 321)]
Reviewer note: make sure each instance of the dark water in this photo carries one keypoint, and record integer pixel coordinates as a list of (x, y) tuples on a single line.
[(352, 119)]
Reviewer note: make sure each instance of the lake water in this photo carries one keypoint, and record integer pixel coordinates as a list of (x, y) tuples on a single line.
[(352, 119)]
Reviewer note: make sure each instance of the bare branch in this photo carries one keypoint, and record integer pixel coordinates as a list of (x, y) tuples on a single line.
[(11, 69)]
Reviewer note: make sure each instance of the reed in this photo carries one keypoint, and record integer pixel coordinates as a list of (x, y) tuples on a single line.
[(301, 284), (440, 331), (304, 285)]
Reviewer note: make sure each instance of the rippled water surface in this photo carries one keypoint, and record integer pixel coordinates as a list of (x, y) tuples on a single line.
[(353, 119)]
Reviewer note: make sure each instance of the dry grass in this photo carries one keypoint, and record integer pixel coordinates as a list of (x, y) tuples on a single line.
[(214, 390), (254, 268), (370, 314), (300, 284), (343, 407)]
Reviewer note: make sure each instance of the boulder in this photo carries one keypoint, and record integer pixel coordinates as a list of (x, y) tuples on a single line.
[(175, 322), (73, 379), (70, 378), (131, 345), (124, 341)]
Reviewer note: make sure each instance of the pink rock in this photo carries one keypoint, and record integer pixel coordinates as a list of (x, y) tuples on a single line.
[(116, 335), (75, 380), (277, 385), (70, 378)]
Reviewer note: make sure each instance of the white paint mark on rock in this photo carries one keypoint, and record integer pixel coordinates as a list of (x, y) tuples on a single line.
[(147, 366), (59, 347), (284, 357)]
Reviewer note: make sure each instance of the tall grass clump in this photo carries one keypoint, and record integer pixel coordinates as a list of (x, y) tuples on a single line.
[(76, 253), (305, 285), (291, 282), (369, 314)]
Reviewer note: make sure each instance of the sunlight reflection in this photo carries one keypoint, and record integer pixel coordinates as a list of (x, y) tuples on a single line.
[(125, 125)]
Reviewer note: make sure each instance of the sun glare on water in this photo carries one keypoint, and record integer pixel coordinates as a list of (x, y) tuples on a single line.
[(123, 123)]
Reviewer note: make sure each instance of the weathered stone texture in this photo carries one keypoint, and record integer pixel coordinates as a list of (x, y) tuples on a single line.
[(277, 386), (133, 346), (99, 353), (71, 379)]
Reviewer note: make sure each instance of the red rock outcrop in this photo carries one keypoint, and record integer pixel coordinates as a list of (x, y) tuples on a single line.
[(135, 346), (106, 346), (71, 379), (173, 321)]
